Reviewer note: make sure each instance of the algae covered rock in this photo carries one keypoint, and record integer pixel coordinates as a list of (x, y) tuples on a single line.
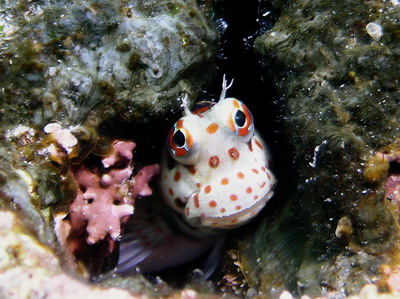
[(336, 68), (74, 77), (110, 59)]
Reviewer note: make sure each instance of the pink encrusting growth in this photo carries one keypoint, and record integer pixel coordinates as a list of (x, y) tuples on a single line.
[(107, 193)]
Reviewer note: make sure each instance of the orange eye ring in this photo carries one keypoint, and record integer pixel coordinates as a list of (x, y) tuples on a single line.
[(241, 119), (180, 141)]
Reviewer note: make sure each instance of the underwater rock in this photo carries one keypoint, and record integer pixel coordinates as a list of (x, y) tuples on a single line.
[(71, 74), (31, 269), (335, 69), (101, 60)]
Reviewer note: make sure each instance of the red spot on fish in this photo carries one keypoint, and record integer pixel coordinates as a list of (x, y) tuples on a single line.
[(250, 145), (191, 169), (258, 143), (233, 153), (255, 171), (263, 169), (198, 185), (171, 192), (212, 128), (225, 181), (213, 161), (263, 185), (249, 190), (269, 177), (222, 210), (196, 200), (238, 207), (207, 189), (255, 197), (212, 204), (177, 176), (233, 197)]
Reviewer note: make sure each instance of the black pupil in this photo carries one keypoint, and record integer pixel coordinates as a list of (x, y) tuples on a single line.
[(240, 118), (179, 138)]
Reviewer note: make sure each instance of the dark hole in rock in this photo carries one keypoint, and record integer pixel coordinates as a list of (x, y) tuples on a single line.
[(394, 168)]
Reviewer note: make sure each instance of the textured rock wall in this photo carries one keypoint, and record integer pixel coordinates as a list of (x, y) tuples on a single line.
[(336, 71)]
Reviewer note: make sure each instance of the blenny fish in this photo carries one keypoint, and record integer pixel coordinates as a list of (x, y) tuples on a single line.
[(215, 176)]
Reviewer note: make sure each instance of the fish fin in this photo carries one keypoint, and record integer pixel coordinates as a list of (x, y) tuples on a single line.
[(212, 261), (144, 232)]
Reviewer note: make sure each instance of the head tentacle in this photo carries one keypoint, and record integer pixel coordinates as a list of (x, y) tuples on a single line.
[(225, 88), (185, 105)]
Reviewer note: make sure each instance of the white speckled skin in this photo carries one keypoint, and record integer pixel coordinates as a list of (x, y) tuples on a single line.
[(222, 179)]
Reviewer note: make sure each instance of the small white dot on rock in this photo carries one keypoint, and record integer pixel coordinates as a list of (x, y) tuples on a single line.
[(374, 30)]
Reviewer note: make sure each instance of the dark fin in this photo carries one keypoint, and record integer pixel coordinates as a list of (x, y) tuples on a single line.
[(212, 261), (142, 235), (201, 107), (131, 254)]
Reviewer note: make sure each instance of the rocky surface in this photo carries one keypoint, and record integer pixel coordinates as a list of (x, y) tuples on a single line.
[(335, 69), (76, 77)]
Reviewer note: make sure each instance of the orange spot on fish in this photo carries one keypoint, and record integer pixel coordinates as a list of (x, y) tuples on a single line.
[(177, 176), (225, 181), (240, 175), (196, 201), (207, 189), (233, 197), (212, 204), (249, 190), (212, 128), (258, 143)]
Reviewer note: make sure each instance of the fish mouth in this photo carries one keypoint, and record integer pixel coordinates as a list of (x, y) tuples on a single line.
[(237, 219)]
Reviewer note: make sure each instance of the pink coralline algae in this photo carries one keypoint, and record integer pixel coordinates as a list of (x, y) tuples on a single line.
[(106, 196)]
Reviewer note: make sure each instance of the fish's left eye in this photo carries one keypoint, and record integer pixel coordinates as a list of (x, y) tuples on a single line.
[(179, 139), (241, 120)]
